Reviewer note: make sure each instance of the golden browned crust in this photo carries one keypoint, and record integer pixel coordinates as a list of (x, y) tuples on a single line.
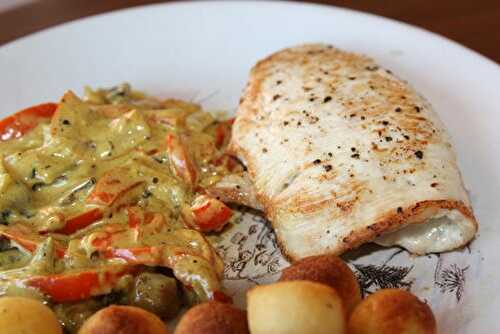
[(213, 318), (329, 270), (237, 189), (390, 222), (392, 311), (123, 320)]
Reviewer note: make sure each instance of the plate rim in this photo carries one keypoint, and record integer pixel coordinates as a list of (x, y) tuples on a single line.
[(286, 3)]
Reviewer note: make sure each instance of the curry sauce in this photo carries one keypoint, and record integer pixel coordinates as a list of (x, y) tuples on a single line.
[(98, 193)]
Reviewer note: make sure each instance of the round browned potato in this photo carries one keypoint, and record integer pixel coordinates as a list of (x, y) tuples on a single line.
[(27, 316), (391, 311), (213, 318), (123, 320), (329, 270), (295, 307)]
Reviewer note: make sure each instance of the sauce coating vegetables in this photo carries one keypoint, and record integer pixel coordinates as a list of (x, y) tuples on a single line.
[(105, 195)]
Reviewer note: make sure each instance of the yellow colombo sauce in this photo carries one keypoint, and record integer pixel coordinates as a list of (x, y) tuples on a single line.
[(102, 200)]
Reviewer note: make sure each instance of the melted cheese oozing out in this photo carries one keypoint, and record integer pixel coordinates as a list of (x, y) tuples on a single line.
[(436, 234)]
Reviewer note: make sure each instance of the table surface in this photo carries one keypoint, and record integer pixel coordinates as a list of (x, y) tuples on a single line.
[(475, 24)]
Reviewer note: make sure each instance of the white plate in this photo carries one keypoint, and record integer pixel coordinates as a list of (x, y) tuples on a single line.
[(203, 51)]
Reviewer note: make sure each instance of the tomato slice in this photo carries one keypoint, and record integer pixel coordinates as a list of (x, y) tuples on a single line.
[(15, 126)]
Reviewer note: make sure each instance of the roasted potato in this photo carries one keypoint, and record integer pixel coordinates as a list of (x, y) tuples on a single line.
[(27, 316), (213, 318), (329, 270), (295, 307), (123, 320), (392, 311)]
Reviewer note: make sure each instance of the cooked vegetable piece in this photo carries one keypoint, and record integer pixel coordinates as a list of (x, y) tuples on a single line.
[(43, 261), (73, 315), (182, 165), (207, 214), (112, 185), (156, 293), (27, 239), (81, 221), (75, 286), (23, 121), (223, 132), (13, 258)]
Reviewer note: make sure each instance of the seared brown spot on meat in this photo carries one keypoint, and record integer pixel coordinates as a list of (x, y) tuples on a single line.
[(345, 206)]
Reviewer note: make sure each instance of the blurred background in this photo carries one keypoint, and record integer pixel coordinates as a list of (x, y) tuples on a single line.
[(475, 24)]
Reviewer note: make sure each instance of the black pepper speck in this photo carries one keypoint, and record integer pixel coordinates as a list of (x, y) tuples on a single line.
[(419, 154)]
